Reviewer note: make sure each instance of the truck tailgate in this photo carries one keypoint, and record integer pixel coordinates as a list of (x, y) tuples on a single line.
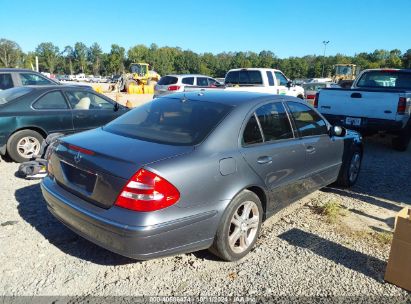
[(359, 103)]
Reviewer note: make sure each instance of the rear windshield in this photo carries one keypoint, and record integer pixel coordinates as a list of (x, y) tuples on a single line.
[(385, 79), (314, 86), (10, 94), (166, 80), (244, 78), (170, 121)]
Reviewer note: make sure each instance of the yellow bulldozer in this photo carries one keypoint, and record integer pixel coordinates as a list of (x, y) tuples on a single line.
[(344, 74), (139, 76)]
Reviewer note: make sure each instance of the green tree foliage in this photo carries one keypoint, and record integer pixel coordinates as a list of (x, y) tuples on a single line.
[(94, 56), (48, 55), (167, 60), (80, 57), (10, 54)]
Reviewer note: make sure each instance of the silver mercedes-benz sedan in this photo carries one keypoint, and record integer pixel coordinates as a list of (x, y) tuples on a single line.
[(194, 171)]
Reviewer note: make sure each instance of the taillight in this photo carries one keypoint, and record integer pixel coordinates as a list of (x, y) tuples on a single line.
[(402, 104), (147, 191), (173, 88), (317, 97), (310, 96)]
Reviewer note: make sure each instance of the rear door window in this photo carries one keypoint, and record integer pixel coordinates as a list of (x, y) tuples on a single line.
[(51, 101), (188, 80), (34, 79), (202, 82), (6, 81), (270, 78), (252, 133), (167, 80), (307, 121), (274, 122)]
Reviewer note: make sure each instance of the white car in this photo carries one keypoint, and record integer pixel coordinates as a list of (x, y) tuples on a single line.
[(261, 80)]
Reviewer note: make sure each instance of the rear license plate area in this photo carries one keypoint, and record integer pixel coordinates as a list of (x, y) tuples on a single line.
[(353, 121), (79, 178)]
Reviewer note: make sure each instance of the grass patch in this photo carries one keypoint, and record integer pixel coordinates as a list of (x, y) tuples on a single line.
[(384, 238), (332, 210)]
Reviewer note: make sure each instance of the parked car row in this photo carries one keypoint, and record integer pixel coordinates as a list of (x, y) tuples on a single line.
[(28, 114)]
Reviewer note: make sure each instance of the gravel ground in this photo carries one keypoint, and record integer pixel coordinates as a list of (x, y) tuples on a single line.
[(299, 252)]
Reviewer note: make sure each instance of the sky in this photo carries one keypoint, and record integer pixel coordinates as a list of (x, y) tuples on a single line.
[(287, 27)]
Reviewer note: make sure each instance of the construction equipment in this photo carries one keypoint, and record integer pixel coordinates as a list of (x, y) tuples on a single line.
[(138, 75), (345, 74)]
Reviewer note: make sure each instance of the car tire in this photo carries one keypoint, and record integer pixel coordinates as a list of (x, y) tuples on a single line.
[(350, 169), (238, 232), (23, 145)]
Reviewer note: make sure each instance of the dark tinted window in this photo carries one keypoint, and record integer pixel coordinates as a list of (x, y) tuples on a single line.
[(308, 122), (202, 82), (188, 80), (52, 100), (13, 93), (167, 80), (34, 79), (211, 82), (281, 78), (274, 122), (270, 78), (245, 77), (252, 134), (5, 81), (170, 121), (388, 79)]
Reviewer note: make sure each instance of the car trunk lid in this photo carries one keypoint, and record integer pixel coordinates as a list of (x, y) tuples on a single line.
[(95, 165)]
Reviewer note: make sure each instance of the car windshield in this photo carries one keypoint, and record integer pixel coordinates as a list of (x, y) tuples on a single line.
[(11, 94), (314, 86), (170, 121), (386, 79), (244, 78)]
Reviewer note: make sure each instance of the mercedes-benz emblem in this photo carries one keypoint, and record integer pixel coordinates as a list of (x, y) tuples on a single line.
[(77, 157)]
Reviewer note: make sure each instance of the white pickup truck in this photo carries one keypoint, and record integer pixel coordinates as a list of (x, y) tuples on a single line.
[(378, 101), (259, 80)]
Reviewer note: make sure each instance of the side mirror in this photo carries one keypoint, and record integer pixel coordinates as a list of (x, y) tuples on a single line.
[(338, 131), (289, 84)]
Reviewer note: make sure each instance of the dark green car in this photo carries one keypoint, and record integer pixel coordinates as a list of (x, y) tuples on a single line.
[(29, 114)]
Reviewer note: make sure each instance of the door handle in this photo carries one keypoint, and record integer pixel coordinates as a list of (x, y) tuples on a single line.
[(356, 95), (81, 115), (310, 149), (264, 160)]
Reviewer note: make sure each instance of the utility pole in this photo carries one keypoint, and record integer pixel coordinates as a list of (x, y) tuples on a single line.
[(325, 47)]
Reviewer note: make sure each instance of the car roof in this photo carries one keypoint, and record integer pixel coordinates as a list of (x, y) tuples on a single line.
[(228, 97), (16, 70), (53, 86), (187, 75), (253, 69)]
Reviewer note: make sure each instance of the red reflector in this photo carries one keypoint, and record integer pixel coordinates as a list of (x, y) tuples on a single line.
[(317, 97), (82, 150), (402, 104), (173, 88), (146, 191), (310, 96)]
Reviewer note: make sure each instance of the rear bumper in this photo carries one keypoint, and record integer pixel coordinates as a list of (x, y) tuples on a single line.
[(372, 125), (140, 242)]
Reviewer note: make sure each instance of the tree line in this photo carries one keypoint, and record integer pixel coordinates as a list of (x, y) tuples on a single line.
[(81, 58)]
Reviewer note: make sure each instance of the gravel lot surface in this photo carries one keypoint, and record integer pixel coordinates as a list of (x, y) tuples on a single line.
[(299, 252)]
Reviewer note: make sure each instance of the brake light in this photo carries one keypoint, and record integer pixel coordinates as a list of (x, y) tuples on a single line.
[(146, 191), (402, 104), (173, 88), (316, 99), (79, 149), (310, 96)]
